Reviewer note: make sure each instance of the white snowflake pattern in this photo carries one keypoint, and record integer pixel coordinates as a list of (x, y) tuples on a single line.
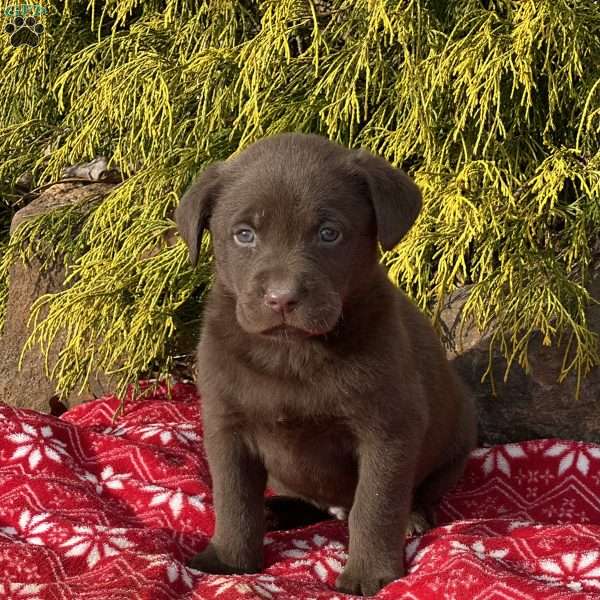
[(531, 492), (174, 570), (35, 443), (118, 431), (533, 476), (565, 512), (262, 585), (546, 477), (499, 457), (578, 569), (32, 526), (108, 478), (96, 542), (30, 591), (330, 555), (20, 570), (580, 456), (478, 548), (548, 544), (566, 509), (174, 499), (181, 432)]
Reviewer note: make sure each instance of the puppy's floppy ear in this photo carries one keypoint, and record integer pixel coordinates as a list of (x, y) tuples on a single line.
[(194, 209), (395, 196)]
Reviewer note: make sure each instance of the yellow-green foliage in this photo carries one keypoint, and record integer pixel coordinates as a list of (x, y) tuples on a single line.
[(494, 108)]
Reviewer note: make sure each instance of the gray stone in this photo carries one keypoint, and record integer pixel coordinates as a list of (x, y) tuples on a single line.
[(528, 405)]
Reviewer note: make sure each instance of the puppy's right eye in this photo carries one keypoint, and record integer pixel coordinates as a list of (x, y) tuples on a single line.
[(245, 237)]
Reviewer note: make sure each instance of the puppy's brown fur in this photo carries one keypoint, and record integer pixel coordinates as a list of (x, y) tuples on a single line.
[(341, 395)]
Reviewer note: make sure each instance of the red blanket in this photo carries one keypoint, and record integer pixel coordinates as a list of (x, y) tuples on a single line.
[(96, 510)]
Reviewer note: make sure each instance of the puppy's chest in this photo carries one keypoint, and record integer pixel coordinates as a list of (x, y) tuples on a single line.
[(294, 420), (312, 457), (297, 421), (293, 428)]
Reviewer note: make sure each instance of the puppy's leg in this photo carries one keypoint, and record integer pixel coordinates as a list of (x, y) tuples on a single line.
[(379, 516), (239, 481), (442, 480)]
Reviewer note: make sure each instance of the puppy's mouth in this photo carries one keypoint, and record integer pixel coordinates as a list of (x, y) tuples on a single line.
[(305, 323), (287, 331)]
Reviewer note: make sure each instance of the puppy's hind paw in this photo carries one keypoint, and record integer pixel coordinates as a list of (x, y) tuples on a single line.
[(418, 524)]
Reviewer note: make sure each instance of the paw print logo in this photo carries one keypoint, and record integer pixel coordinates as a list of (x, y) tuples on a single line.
[(24, 31)]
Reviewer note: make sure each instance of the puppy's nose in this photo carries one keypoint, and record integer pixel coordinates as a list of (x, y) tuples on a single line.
[(281, 300)]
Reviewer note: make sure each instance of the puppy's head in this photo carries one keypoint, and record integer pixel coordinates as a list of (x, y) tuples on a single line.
[(295, 221)]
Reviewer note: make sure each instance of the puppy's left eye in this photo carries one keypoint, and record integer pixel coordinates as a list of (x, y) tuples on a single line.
[(244, 236), (329, 235)]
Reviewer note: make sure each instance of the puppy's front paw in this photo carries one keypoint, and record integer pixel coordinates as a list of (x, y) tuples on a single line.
[(366, 580), (210, 560)]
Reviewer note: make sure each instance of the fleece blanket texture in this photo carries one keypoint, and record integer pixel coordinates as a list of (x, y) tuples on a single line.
[(96, 509)]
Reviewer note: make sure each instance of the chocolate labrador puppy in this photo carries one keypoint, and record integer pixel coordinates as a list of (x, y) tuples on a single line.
[(318, 377)]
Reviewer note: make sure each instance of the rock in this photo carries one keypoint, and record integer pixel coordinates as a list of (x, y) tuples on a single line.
[(528, 405), (61, 195), (30, 387)]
